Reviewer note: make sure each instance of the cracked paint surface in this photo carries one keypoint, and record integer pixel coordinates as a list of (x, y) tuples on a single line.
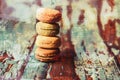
[(90, 34)]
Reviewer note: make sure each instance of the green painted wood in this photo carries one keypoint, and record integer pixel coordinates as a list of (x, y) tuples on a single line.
[(79, 18)]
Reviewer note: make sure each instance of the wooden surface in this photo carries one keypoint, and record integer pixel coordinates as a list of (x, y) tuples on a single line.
[(90, 37)]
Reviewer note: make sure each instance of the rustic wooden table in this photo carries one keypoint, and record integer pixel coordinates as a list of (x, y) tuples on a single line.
[(90, 37)]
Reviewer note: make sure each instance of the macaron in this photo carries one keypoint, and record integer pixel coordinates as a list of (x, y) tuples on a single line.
[(47, 52), (49, 32), (47, 26), (47, 59), (48, 15), (48, 42)]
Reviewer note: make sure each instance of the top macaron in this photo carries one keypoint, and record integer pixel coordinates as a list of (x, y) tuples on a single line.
[(48, 15)]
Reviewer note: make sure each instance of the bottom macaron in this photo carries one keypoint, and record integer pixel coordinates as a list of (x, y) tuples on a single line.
[(43, 52), (47, 59)]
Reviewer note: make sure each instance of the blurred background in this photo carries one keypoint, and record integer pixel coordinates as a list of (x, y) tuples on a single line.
[(90, 34)]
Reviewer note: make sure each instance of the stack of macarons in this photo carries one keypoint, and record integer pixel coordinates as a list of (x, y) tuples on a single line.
[(47, 41)]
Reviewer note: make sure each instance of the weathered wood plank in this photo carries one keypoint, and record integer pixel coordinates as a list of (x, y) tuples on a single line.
[(90, 32)]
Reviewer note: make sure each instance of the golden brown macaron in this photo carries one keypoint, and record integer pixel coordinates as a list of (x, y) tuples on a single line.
[(48, 42), (47, 52), (47, 26), (47, 59), (48, 15), (49, 32)]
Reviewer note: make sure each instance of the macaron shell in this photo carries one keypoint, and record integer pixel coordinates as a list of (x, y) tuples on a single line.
[(49, 32), (48, 15), (47, 59), (47, 52), (42, 25), (48, 42)]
